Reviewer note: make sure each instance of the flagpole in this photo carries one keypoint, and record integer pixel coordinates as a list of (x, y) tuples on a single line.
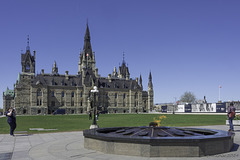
[(219, 93)]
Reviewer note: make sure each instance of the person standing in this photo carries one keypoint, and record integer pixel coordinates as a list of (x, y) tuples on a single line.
[(90, 115), (11, 119), (231, 116)]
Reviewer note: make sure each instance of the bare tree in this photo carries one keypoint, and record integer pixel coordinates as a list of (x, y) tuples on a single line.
[(188, 97)]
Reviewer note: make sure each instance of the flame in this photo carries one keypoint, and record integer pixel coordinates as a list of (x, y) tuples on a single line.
[(159, 119)]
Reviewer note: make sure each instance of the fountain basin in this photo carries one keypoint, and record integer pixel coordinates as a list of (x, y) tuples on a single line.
[(158, 141)]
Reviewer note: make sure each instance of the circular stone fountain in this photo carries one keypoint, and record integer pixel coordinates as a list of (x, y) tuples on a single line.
[(158, 141)]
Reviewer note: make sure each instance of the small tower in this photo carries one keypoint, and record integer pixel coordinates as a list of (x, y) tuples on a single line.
[(28, 61), (123, 70), (150, 93)]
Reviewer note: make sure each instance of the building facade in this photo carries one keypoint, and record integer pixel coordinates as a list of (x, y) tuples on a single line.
[(44, 93)]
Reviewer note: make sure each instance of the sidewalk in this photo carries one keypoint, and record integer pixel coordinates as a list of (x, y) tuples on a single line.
[(69, 146)]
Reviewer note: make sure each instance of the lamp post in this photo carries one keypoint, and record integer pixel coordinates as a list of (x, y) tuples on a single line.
[(174, 105), (94, 91)]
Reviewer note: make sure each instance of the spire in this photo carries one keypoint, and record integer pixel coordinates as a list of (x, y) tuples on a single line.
[(87, 44), (28, 47), (140, 80), (150, 85)]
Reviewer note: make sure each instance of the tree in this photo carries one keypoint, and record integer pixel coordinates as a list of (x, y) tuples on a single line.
[(188, 97)]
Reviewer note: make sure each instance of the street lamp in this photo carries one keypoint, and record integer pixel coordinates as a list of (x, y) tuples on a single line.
[(94, 91)]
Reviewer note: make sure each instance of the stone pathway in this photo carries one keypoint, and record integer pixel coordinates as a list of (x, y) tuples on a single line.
[(69, 146)]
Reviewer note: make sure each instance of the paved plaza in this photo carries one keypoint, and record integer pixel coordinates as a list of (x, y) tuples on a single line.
[(69, 146)]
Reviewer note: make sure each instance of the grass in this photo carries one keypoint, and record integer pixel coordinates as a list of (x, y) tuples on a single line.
[(81, 122)]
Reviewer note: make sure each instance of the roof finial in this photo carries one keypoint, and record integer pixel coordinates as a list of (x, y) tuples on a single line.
[(28, 47), (123, 57)]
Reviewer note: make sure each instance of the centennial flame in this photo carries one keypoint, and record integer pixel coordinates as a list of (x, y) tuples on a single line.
[(159, 119)]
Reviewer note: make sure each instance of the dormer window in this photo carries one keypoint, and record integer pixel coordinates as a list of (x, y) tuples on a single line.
[(73, 84)]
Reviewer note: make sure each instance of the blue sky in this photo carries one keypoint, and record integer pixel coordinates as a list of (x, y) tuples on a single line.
[(188, 45)]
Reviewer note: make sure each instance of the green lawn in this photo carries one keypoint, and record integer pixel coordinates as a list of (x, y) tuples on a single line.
[(81, 122)]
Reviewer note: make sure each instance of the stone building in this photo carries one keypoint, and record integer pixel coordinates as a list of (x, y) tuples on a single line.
[(44, 93)]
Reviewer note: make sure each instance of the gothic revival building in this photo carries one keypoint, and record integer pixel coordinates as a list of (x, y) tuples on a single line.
[(44, 93)]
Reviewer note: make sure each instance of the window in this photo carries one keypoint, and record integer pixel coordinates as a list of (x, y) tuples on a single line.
[(52, 93), (115, 95), (81, 93), (39, 102), (39, 92), (72, 94), (81, 103), (72, 103), (124, 96), (136, 96), (62, 93), (115, 104), (39, 111)]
